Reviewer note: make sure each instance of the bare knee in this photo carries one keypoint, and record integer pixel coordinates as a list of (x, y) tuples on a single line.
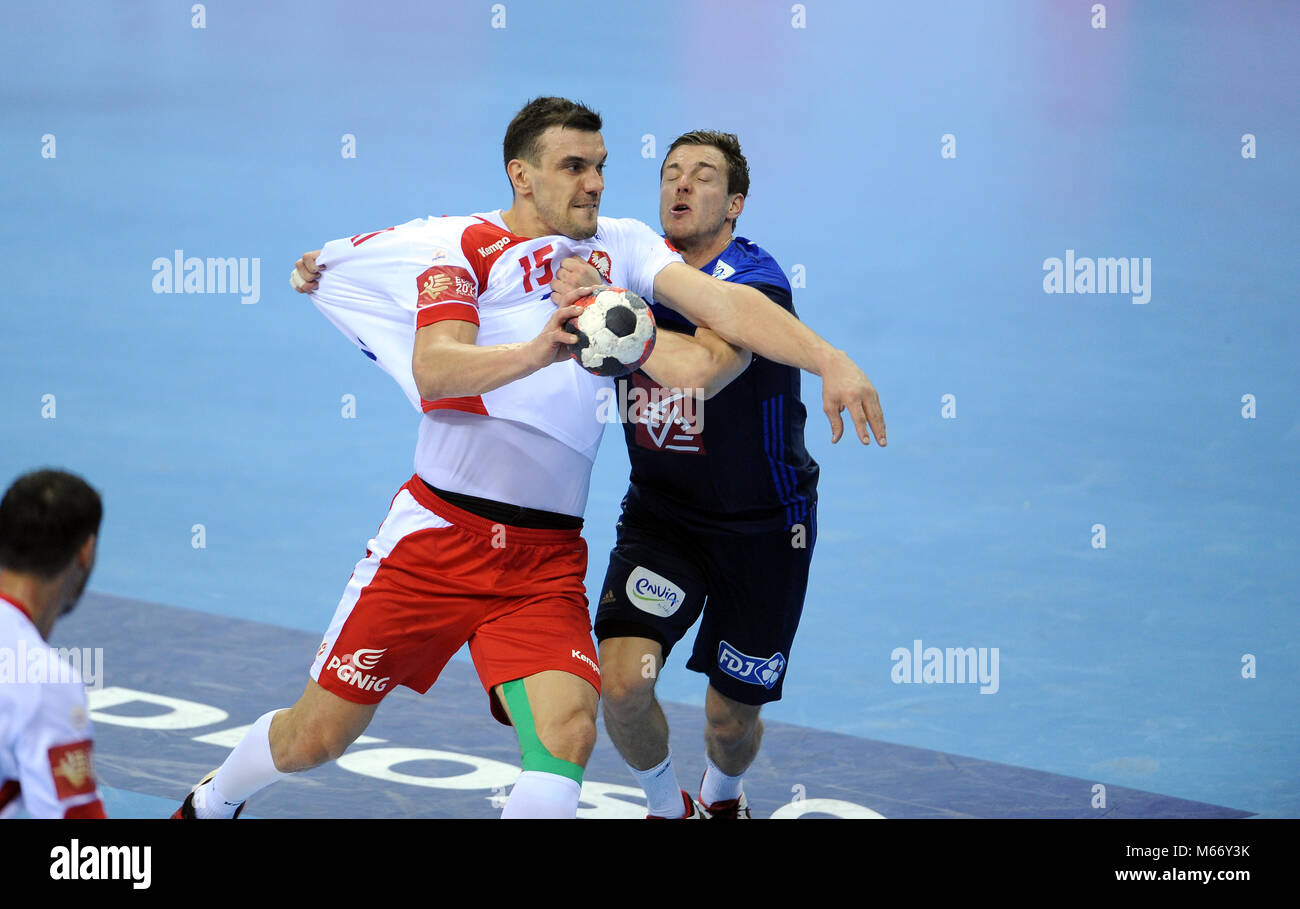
[(627, 694), (570, 735), (733, 732), (630, 667)]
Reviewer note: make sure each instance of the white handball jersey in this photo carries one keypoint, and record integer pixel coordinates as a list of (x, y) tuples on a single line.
[(45, 733), (537, 436)]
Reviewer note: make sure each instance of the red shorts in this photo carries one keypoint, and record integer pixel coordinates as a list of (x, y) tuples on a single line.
[(436, 576)]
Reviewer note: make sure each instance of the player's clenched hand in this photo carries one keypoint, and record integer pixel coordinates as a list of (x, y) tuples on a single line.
[(552, 345), (305, 272), (573, 275), (845, 386)]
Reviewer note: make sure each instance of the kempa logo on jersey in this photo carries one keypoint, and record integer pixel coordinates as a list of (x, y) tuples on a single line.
[(722, 271), (23, 665), (654, 593), (76, 862), (499, 245), (579, 655), (754, 670), (354, 669)]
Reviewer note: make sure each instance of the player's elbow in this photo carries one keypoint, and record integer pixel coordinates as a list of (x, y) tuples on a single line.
[(709, 384), (720, 374)]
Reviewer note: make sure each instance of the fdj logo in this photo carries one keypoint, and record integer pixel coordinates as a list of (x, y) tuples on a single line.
[(653, 593), (754, 670)]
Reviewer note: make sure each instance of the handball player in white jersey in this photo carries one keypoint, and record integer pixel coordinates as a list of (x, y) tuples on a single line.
[(49, 528), (483, 544)]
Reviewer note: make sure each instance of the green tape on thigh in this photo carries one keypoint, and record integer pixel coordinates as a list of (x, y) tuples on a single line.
[(535, 755)]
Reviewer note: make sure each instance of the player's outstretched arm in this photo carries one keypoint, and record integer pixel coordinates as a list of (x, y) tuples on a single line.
[(703, 364), (448, 364), (748, 319)]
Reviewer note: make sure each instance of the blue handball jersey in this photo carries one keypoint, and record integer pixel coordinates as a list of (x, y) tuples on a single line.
[(737, 462)]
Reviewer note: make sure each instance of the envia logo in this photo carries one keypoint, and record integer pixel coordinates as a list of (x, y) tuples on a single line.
[(653, 593)]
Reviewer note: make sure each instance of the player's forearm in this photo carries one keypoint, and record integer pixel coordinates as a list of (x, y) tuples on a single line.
[(452, 369), (702, 370), (751, 321)]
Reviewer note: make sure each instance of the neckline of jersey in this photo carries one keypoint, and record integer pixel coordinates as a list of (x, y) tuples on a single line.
[(713, 263), (497, 219), (19, 606)]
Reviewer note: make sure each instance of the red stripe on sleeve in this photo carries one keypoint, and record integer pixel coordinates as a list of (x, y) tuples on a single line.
[(462, 312), (468, 404)]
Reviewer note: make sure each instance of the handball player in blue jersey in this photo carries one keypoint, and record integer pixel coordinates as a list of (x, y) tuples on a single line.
[(720, 517)]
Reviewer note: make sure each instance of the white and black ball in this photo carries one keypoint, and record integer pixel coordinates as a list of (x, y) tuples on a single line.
[(616, 332)]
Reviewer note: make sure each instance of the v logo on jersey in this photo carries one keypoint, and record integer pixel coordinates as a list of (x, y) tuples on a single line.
[(665, 420), (656, 416)]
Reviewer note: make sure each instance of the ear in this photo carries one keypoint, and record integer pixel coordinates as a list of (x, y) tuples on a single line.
[(520, 177), (86, 554), (736, 207)]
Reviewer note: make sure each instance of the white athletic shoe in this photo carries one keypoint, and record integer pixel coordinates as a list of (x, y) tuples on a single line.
[(693, 811), (731, 808), (186, 810)]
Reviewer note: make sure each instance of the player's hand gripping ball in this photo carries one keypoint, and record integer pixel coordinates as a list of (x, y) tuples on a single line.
[(616, 332)]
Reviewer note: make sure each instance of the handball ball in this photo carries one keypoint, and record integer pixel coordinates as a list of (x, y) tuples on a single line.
[(616, 332)]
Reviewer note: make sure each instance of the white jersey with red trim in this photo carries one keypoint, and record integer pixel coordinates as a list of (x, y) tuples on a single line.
[(45, 731), (380, 288)]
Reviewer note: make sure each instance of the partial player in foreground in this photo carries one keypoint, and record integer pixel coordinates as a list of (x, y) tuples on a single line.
[(483, 543), (49, 525), (720, 516)]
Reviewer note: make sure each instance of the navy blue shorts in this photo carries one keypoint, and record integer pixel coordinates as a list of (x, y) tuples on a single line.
[(750, 588)]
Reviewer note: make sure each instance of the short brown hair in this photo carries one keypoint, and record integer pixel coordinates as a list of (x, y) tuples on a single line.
[(729, 145), (524, 134)]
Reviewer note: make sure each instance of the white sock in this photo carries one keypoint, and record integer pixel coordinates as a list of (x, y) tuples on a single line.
[(663, 795), (540, 794), (248, 769), (717, 786)]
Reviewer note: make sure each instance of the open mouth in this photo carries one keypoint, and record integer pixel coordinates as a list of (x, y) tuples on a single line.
[(680, 208)]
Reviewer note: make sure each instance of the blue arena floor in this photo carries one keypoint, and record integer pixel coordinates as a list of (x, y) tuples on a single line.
[(1099, 490)]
